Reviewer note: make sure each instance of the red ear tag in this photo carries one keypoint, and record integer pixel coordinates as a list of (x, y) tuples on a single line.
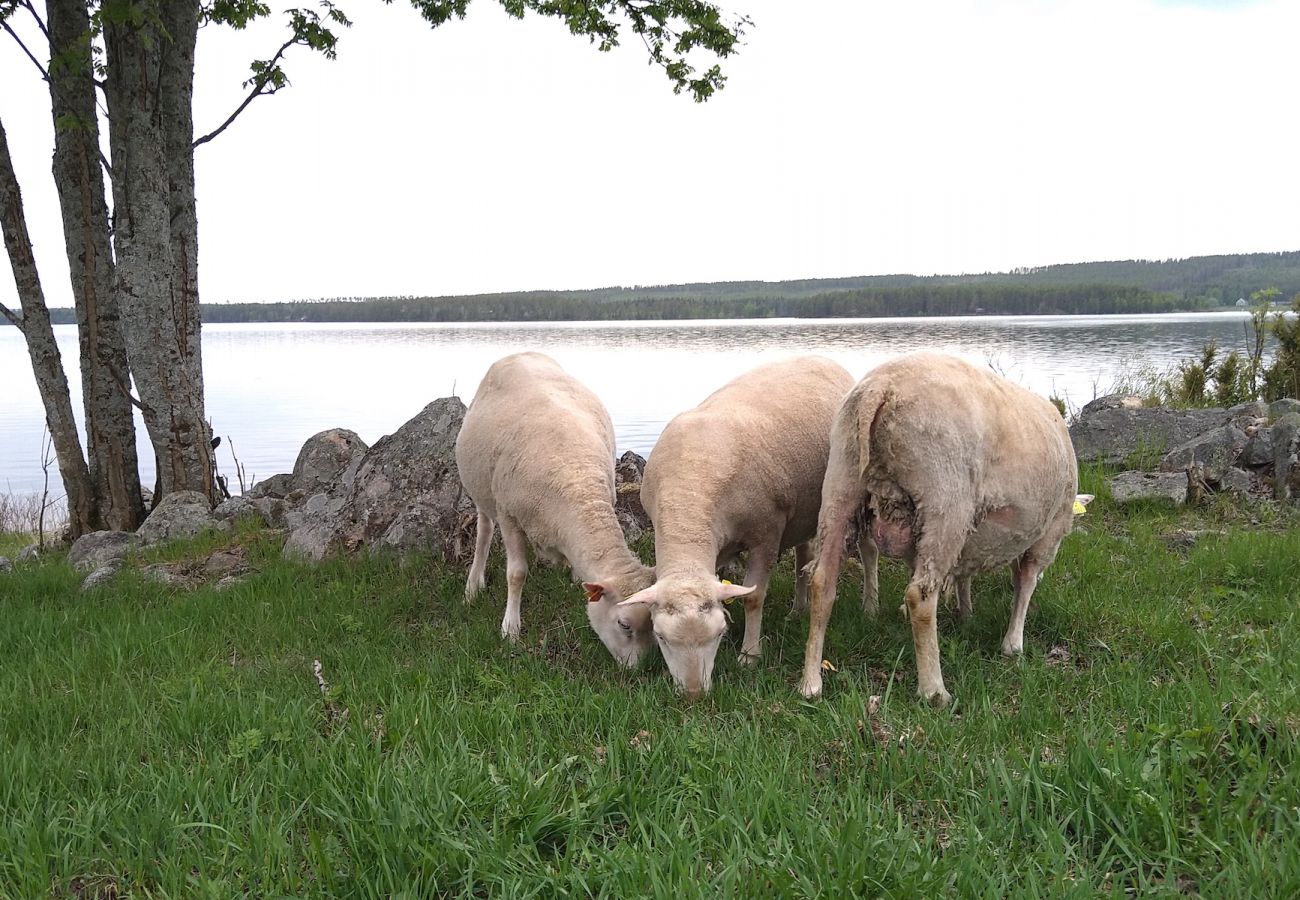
[(594, 592)]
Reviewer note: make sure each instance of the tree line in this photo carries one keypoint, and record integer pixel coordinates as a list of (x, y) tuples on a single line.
[(599, 306)]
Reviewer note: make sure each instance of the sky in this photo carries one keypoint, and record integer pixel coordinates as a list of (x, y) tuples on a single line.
[(853, 137)]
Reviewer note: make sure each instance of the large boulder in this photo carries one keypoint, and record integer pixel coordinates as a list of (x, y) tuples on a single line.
[(1286, 406), (1286, 457), (1212, 453), (277, 486), (270, 511), (180, 514), (632, 517), (1258, 450), (1114, 428), (99, 548), (1128, 487), (403, 494), (324, 458)]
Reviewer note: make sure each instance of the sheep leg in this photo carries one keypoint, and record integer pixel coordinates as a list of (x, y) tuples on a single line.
[(757, 572), (482, 544), (869, 553), (1025, 573), (516, 571), (831, 529), (964, 607), (803, 555), (941, 542)]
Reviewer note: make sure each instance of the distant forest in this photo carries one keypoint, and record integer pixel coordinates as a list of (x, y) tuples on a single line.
[(1133, 286)]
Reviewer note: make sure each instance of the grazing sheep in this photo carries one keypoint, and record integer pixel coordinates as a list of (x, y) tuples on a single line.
[(741, 471), (536, 455), (956, 470)]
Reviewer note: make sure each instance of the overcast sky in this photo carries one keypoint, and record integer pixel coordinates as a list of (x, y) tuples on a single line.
[(853, 137)]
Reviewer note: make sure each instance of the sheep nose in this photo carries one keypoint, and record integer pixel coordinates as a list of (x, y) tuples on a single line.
[(691, 693)]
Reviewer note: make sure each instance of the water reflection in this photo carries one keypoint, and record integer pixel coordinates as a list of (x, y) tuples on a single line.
[(272, 386)]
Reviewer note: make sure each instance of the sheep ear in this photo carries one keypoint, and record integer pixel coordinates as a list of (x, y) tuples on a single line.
[(649, 595), (725, 591), (594, 591)]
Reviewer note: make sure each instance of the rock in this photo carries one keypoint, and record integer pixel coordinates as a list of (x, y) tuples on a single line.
[(325, 457), (277, 486), (229, 581), (1212, 453), (1258, 450), (102, 574), (93, 551), (1110, 429), (1251, 409), (223, 562), (629, 511), (1127, 487), (1186, 538), (6, 564), (180, 514), (30, 553), (162, 574), (236, 508), (274, 512), (629, 469), (1236, 481), (1286, 456), (404, 494), (1112, 401), (1284, 407)]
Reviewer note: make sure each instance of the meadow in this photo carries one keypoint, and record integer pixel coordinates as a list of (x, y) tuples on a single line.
[(159, 743)]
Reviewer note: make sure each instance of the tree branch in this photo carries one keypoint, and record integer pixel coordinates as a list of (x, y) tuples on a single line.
[(14, 319), (45, 76), (259, 88), (40, 23)]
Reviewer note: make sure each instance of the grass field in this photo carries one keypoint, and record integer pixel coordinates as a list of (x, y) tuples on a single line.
[(165, 744)]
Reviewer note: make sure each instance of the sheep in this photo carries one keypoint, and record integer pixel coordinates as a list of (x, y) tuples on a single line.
[(741, 471), (536, 455), (956, 470)]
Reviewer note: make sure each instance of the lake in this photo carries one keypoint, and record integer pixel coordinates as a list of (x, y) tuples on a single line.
[(271, 386)]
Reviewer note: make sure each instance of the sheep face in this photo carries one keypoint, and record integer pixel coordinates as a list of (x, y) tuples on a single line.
[(688, 623), (624, 630)]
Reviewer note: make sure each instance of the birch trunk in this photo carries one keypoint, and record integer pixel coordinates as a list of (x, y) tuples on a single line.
[(110, 428), (47, 365), (161, 328)]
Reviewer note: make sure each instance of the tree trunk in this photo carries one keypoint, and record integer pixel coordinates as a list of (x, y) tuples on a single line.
[(110, 428), (161, 329), (181, 19), (44, 352)]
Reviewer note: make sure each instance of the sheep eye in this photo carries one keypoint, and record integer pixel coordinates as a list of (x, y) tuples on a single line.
[(626, 627)]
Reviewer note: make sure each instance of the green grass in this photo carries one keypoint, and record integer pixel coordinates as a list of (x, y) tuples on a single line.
[(156, 743)]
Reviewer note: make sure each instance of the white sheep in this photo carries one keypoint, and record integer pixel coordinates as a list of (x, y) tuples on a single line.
[(741, 471), (536, 455), (957, 470)]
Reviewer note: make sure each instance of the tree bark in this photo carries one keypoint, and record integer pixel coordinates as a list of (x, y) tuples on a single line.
[(181, 19), (47, 365), (105, 379), (161, 328)]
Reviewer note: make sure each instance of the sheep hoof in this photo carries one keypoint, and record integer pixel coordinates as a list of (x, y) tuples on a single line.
[(748, 659), (811, 688), (938, 699), (1012, 651)]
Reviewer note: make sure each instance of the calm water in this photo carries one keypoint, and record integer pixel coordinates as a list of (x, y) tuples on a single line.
[(272, 386)]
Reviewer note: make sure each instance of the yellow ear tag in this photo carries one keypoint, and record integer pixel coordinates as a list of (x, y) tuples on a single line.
[(729, 600), (1079, 508)]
